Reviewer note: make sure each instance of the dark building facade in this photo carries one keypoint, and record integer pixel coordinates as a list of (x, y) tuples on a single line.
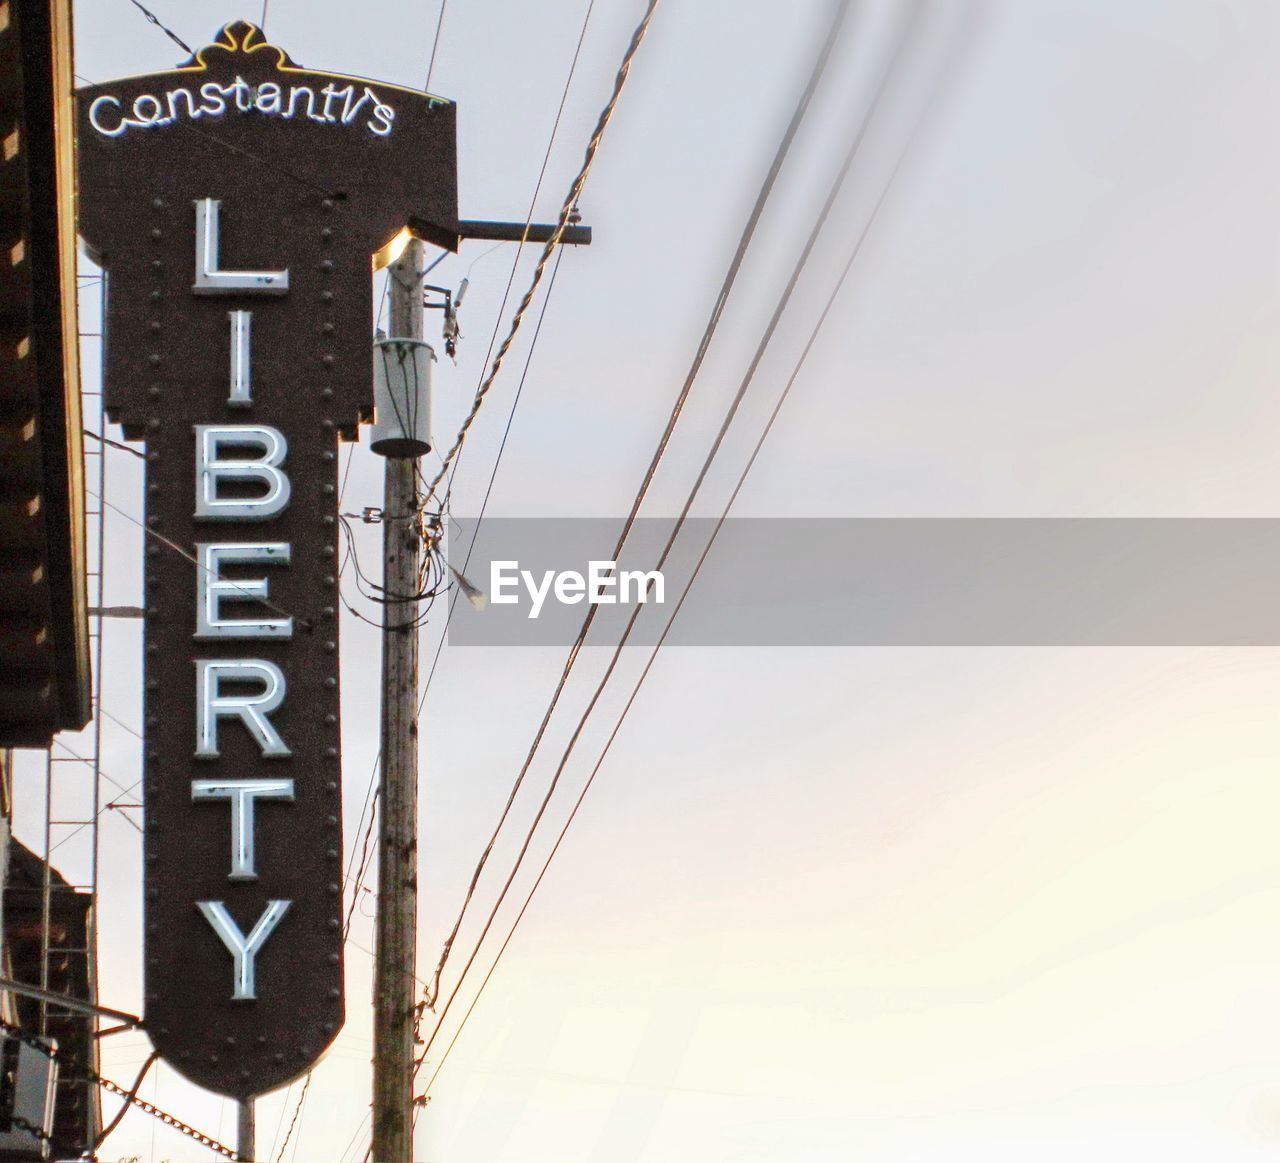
[(44, 639), (44, 653)]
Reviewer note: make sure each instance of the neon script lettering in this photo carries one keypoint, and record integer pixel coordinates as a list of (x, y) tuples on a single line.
[(332, 105)]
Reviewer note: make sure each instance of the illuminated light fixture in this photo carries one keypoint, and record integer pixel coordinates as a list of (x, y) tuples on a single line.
[(393, 249), (402, 397)]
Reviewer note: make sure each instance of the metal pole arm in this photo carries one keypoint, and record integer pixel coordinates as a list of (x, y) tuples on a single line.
[(71, 1003)]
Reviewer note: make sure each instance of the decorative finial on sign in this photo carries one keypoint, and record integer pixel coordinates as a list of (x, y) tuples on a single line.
[(243, 37)]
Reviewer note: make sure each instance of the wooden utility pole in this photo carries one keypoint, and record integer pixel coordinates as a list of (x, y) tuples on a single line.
[(394, 976)]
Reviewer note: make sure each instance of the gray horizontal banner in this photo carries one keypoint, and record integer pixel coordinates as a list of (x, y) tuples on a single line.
[(874, 582)]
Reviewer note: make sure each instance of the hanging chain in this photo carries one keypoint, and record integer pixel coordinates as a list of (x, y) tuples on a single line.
[(37, 1133), (112, 1088), (164, 1116)]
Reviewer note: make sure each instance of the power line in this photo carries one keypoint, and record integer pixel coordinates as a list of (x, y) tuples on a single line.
[(748, 377), (435, 44), (113, 443), (129, 1098), (302, 1098), (635, 690), (121, 723), (78, 758), (773, 416), (709, 331), (173, 36), (566, 211), (371, 793), (515, 261), (173, 545), (484, 505)]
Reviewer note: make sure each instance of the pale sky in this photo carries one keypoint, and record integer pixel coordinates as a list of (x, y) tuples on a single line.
[(894, 905)]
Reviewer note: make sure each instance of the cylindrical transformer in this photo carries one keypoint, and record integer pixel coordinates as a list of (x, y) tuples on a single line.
[(402, 397)]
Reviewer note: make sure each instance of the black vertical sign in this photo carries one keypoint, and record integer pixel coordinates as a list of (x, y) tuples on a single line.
[(236, 202)]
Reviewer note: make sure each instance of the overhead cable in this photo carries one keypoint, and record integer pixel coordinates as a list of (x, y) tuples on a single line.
[(765, 339), (709, 331), (566, 211), (173, 36)]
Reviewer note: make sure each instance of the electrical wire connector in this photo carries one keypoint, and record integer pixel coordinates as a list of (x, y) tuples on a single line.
[(449, 328), (371, 515)]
